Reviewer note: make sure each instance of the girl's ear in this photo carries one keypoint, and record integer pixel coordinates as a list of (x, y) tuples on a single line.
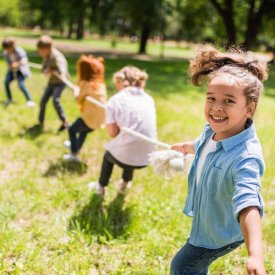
[(251, 109)]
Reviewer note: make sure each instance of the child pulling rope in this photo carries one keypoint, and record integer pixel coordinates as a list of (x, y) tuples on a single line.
[(166, 162)]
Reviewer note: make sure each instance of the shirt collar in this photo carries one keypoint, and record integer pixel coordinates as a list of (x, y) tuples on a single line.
[(235, 140)]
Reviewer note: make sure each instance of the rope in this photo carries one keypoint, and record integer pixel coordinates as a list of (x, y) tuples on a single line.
[(103, 106)]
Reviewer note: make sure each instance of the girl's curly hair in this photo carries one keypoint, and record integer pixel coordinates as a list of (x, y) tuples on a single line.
[(90, 68), (130, 76), (210, 61)]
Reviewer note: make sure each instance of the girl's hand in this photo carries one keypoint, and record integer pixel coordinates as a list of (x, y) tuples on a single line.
[(255, 266), (184, 147)]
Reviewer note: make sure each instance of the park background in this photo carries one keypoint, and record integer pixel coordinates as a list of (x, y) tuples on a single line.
[(49, 222)]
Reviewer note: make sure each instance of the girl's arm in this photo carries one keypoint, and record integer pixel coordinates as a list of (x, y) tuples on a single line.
[(113, 130), (185, 147), (250, 221), (81, 95)]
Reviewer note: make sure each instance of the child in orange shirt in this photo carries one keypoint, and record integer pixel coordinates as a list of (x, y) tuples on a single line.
[(90, 72)]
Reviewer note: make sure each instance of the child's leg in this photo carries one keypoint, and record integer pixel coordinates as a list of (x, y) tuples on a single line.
[(80, 127), (83, 134), (127, 174), (106, 170), (8, 79), (21, 84), (196, 260), (44, 100), (57, 91)]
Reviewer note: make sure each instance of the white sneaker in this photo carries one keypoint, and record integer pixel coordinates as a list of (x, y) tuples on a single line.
[(71, 157), (122, 186), (67, 144), (95, 187), (30, 103)]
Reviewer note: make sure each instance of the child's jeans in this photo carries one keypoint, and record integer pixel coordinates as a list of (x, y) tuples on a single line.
[(55, 91), (107, 168), (78, 127), (10, 76), (194, 260)]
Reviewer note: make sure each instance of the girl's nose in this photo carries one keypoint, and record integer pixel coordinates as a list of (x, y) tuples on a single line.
[(217, 107)]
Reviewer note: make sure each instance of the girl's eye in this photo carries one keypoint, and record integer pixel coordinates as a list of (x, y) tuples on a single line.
[(210, 99), (229, 101)]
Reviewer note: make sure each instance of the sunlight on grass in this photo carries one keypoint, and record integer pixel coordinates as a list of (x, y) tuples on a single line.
[(49, 223)]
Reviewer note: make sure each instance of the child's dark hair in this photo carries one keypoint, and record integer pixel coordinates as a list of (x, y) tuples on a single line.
[(8, 43), (90, 68), (209, 62), (44, 41)]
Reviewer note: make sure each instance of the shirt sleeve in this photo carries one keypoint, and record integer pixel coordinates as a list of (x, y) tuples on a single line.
[(82, 93), (111, 112), (247, 186), (61, 64), (21, 53)]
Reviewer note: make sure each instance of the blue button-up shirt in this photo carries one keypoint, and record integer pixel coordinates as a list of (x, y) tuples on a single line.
[(229, 182)]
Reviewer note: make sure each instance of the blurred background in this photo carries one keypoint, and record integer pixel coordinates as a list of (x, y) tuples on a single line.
[(133, 25)]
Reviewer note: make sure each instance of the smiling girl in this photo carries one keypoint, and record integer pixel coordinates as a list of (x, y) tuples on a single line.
[(224, 180)]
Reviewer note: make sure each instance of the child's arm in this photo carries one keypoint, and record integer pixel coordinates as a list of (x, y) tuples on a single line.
[(250, 221), (81, 95), (113, 130), (185, 147)]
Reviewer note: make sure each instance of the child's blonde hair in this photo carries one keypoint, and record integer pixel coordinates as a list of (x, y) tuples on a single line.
[(209, 62), (130, 76)]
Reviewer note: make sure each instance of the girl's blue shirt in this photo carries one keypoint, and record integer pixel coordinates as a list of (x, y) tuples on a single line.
[(229, 183)]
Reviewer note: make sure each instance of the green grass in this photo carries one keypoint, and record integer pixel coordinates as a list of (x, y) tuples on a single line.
[(50, 224)]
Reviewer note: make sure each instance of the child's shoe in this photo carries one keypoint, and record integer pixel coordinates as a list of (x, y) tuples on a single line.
[(97, 188), (63, 127), (122, 186), (67, 144), (7, 103), (71, 157), (30, 104)]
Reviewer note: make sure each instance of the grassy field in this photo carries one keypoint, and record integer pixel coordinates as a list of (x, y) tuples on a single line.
[(50, 224)]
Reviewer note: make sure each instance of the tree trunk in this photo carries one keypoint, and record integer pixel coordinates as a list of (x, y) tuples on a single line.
[(71, 29), (228, 20), (254, 21), (80, 26), (145, 32)]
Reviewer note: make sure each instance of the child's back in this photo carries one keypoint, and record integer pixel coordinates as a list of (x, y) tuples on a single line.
[(93, 115), (132, 108)]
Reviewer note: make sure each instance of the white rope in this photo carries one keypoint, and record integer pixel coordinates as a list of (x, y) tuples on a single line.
[(35, 65), (166, 162)]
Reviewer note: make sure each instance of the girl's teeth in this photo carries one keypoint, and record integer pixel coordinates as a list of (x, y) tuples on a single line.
[(218, 118)]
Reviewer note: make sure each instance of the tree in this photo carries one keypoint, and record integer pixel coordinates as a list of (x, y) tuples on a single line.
[(256, 11), (254, 20), (144, 16)]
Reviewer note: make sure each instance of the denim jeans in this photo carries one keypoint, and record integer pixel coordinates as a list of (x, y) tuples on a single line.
[(10, 76), (78, 127), (55, 91), (194, 260), (107, 168)]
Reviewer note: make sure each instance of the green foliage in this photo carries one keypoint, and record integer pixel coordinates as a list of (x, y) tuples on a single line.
[(10, 13)]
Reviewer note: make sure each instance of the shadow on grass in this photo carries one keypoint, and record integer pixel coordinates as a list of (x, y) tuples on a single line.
[(64, 167), (32, 132), (107, 223)]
